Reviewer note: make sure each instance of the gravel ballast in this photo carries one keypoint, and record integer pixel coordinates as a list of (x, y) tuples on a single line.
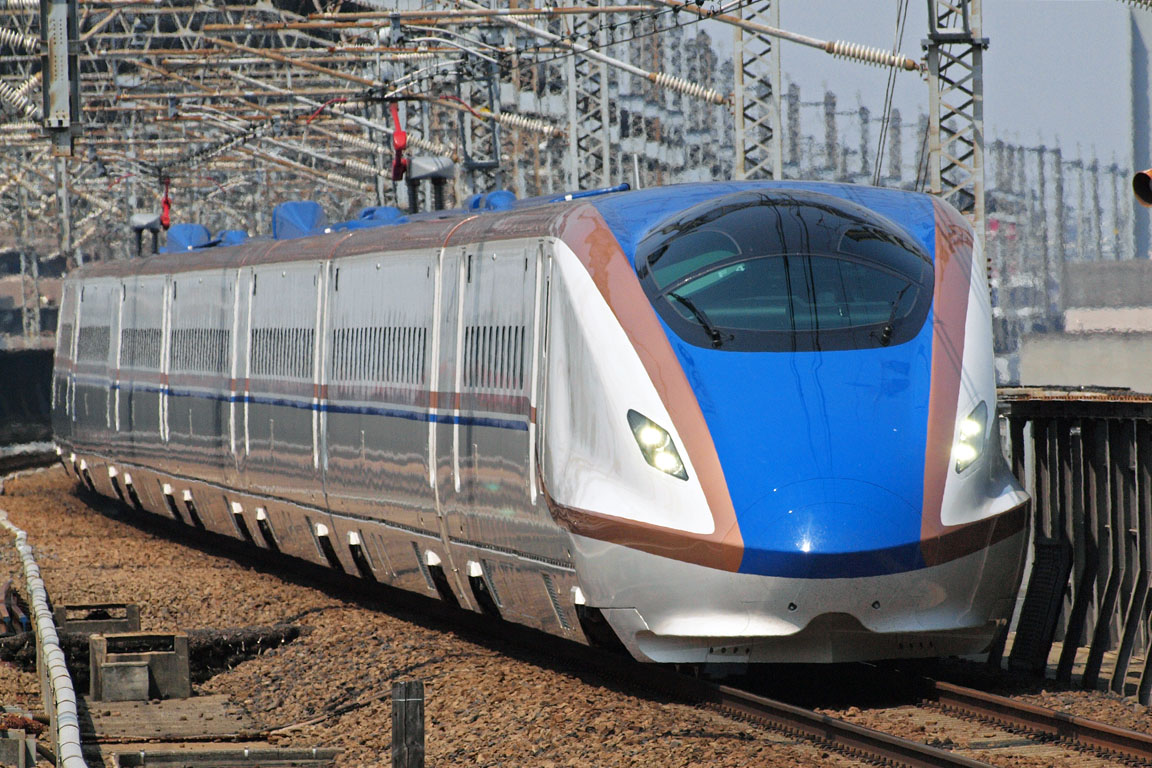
[(330, 686)]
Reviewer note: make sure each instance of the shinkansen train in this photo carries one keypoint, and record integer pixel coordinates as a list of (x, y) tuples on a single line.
[(719, 423)]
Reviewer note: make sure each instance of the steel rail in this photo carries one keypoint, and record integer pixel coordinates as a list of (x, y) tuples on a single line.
[(1030, 717), (850, 737)]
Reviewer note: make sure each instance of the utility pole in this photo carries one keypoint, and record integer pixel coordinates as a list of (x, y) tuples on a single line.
[(794, 126), (895, 147), (831, 142), (64, 210), (865, 118), (956, 95), (1061, 255), (1097, 214), (29, 268), (589, 116)]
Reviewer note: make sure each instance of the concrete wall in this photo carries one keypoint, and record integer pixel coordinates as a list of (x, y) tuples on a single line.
[(1108, 283), (1092, 359), (1104, 320)]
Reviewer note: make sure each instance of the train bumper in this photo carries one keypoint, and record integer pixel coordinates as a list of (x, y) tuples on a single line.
[(669, 611)]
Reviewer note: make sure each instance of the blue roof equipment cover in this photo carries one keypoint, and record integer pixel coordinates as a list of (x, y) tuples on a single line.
[(376, 216), (500, 200), (185, 237), (231, 236), (298, 218)]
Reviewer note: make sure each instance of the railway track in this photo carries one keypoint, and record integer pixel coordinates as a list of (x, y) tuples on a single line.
[(1032, 719), (855, 740)]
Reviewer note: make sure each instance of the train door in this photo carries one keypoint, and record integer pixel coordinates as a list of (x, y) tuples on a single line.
[(492, 499), (282, 398), (375, 434), (62, 369), (242, 370), (237, 355), (117, 343), (141, 348), (201, 318), (98, 308), (165, 355)]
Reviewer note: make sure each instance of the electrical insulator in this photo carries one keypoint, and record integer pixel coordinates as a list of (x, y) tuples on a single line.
[(687, 87), (869, 55), (14, 39)]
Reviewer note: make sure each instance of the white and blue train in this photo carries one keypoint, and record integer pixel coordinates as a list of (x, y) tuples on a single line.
[(725, 422)]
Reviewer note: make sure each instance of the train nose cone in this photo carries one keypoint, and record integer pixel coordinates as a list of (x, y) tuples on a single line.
[(830, 528)]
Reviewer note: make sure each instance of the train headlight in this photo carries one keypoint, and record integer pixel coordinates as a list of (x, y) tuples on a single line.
[(970, 437), (656, 445)]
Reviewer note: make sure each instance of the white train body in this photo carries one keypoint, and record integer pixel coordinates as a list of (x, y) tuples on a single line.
[(503, 409)]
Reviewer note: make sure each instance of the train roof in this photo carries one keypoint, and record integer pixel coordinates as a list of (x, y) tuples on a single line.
[(630, 214)]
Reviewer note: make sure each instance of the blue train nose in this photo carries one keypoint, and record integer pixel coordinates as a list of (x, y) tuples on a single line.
[(830, 528)]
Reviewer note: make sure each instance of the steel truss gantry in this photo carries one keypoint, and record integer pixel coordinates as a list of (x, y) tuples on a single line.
[(589, 118), (240, 105), (955, 57), (756, 97)]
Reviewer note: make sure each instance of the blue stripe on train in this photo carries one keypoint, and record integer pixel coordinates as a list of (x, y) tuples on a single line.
[(330, 407)]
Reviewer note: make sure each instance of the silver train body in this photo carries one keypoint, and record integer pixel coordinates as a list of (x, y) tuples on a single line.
[(445, 406)]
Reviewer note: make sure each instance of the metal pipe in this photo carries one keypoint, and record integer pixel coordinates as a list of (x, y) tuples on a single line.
[(486, 12), (61, 694), (296, 63)]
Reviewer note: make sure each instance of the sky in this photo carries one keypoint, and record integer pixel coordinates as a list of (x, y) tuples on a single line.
[(1056, 71)]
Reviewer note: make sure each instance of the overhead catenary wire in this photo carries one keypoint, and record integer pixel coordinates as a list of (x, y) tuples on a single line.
[(889, 91), (669, 81), (837, 48), (418, 142)]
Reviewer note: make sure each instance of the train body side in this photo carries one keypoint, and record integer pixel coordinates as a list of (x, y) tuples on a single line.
[(374, 412)]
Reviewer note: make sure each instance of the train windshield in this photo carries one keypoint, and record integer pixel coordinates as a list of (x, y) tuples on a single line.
[(781, 271)]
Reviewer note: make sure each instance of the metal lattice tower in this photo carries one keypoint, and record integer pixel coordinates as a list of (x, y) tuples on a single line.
[(756, 107), (238, 107), (589, 142), (956, 114)]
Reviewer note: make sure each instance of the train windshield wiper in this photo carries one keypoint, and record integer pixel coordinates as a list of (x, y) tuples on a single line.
[(713, 332), (886, 332)]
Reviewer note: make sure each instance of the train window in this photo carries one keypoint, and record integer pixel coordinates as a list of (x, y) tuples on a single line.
[(778, 270), (282, 352), (140, 348), (203, 350), (391, 355), (494, 357), (93, 343)]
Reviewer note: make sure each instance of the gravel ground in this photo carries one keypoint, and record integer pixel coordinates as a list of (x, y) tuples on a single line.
[(329, 687), (488, 702)]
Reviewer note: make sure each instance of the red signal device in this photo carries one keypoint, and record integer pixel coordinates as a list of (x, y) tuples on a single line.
[(166, 208), (399, 144)]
